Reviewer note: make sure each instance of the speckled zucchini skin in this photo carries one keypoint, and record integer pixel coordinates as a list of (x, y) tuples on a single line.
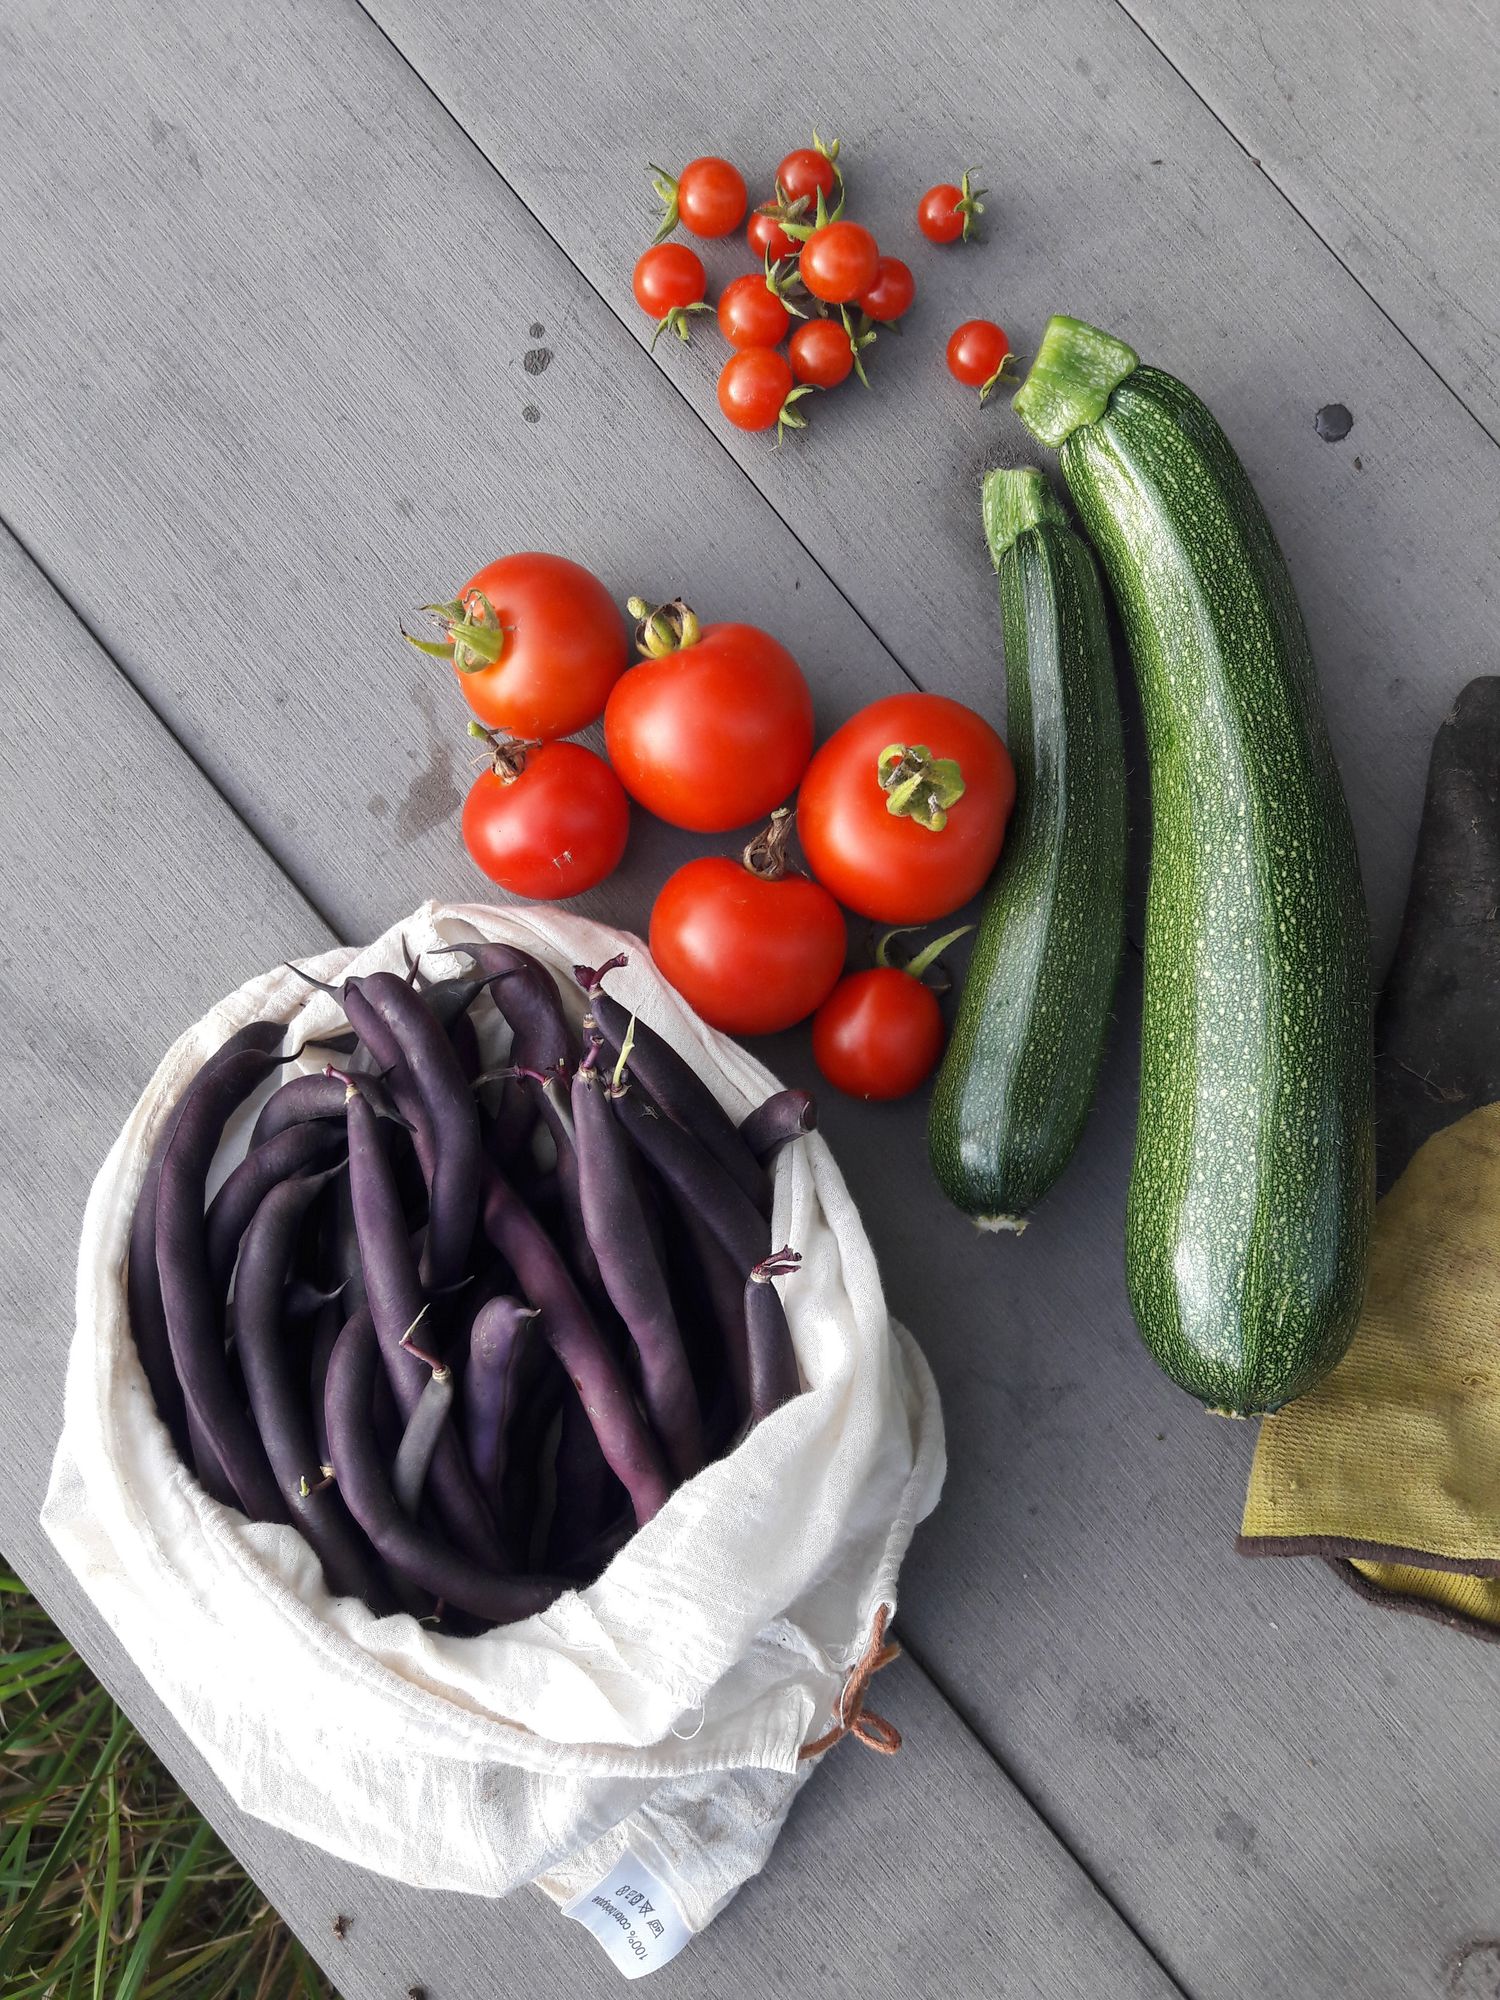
[(1020, 1071), (1252, 1187)]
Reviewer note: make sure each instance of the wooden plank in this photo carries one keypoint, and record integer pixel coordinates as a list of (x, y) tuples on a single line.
[(124, 926), (1380, 124), (1114, 195), (1076, 1596)]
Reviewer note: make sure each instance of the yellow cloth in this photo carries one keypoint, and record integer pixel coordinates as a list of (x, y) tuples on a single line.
[(1392, 1464)]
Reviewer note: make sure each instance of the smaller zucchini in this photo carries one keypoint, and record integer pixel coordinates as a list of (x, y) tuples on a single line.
[(1021, 1067)]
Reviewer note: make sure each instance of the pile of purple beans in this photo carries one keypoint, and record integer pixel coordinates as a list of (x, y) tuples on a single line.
[(464, 1329)]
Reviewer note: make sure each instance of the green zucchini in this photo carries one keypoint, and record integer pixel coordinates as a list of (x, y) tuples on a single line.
[(1019, 1075), (1251, 1192)]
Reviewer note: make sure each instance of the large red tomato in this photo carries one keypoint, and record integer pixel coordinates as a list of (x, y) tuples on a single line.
[(752, 947), (537, 643), (550, 820), (714, 727), (903, 810)]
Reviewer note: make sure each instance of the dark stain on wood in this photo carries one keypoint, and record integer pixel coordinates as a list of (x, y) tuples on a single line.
[(537, 360)]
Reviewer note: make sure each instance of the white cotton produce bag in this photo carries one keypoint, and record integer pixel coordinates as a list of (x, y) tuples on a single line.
[(659, 1712)]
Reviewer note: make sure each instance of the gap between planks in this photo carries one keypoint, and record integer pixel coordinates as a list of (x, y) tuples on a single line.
[(1307, 223)]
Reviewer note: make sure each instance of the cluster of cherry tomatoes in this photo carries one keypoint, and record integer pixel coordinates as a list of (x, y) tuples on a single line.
[(900, 814), (802, 320)]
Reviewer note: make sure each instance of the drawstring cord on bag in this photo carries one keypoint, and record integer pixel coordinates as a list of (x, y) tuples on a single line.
[(854, 1719)]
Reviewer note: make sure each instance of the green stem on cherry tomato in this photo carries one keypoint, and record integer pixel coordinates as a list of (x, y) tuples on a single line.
[(822, 216), (665, 185), (670, 628), (1009, 371), (859, 337), (781, 283), (474, 639), (919, 786), (766, 854), (677, 319), (508, 753), (789, 419), (969, 205), (926, 958)]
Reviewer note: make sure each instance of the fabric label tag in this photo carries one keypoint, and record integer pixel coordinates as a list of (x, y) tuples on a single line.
[(631, 1912)]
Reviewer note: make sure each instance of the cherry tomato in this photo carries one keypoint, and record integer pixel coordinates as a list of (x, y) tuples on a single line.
[(909, 866), (975, 352), (550, 820), (806, 172), (713, 730), (839, 261), (766, 236), (668, 276), (946, 213), (750, 314), (753, 948), (754, 386), (878, 1034), (821, 352), (708, 197), (891, 293), (537, 644)]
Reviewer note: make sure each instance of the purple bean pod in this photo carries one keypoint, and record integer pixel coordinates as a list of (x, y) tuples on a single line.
[(365, 1487), (774, 1378), (623, 1434), (788, 1115), (501, 1332), (294, 1150), (615, 1219), (278, 1396)]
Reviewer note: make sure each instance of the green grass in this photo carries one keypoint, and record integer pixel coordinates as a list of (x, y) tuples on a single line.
[(111, 1885)]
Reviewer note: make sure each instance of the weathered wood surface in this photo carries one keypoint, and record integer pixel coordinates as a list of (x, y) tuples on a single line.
[(118, 941), (1382, 125), (276, 417)]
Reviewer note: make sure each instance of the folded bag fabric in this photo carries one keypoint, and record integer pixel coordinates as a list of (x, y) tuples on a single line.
[(1390, 1468)]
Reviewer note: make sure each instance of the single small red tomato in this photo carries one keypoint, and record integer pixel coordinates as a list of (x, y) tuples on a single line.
[(708, 197), (839, 261), (754, 947), (808, 172), (946, 213), (902, 812), (536, 642), (976, 353), (821, 352), (754, 387), (891, 293), (549, 820), (669, 284), (766, 236), (750, 314), (714, 727), (878, 1034)]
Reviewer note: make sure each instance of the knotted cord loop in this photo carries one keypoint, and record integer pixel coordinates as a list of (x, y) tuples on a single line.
[(853, 1718)]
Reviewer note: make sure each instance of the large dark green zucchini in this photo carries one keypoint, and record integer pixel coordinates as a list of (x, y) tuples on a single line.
[(1251, 1192), (1019, 1075)]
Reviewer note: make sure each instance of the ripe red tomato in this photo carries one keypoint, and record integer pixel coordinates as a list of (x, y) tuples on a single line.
[(946, 213), (753, 952), (821, 352), (976, 351), (909, 866), (708, 197), (711, 733), (552, 828), (537, 644), (839, 261), (807, 171), (878, 1034), (892, 292), (750, 314), (668, 276), (766, 236), (754, 387)]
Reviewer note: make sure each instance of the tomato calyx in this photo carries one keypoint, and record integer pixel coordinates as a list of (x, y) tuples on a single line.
[(919, 786), (474, 637), (801, 230), (669, 628), (860, 336), (785, 285), (921, 962), (665, 188), (1009, 371), (790, 419), (677, 319), (766, 855), (970, 205), (508, 754)]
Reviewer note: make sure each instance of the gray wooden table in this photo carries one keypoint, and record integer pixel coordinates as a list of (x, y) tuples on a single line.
[(271, 283)]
